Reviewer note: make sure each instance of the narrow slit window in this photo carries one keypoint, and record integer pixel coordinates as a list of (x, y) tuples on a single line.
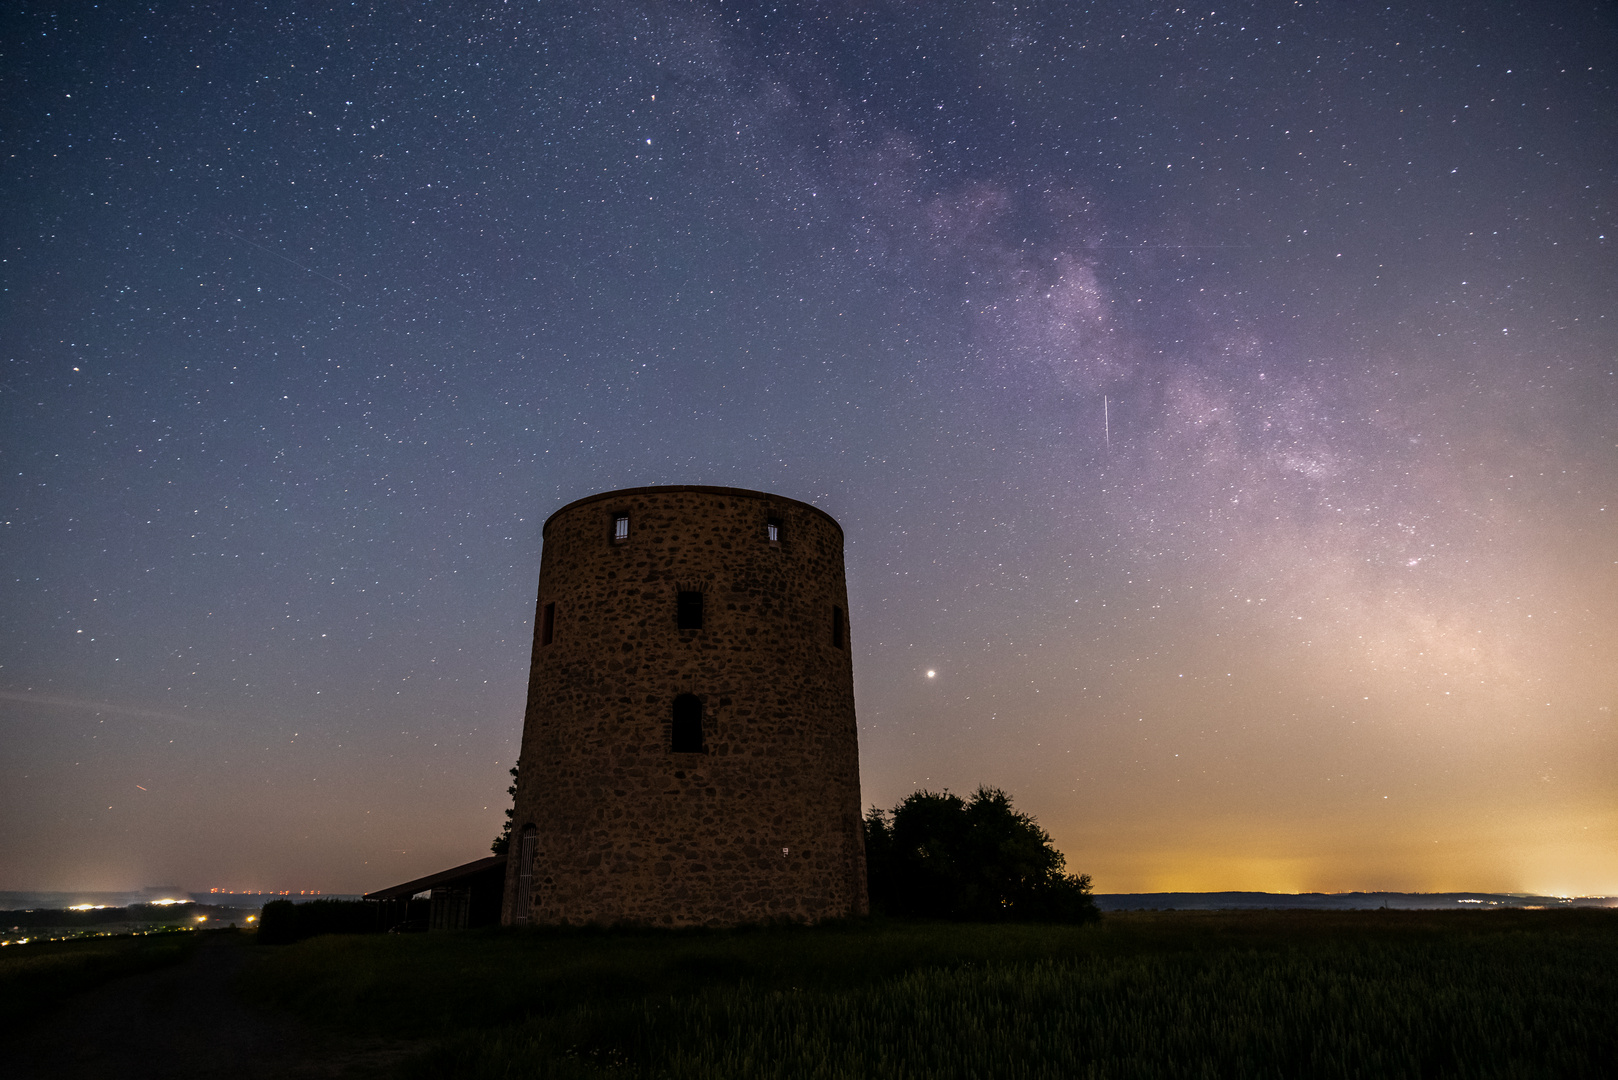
[(837, 627), (620, 527), (772, 529), (547, 625), (688, 610), (687, 724)]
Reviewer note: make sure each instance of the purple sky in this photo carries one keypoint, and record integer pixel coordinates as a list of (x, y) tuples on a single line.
[(1221, 404)]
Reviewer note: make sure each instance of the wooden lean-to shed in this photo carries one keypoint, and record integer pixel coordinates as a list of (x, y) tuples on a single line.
[(461, 898)]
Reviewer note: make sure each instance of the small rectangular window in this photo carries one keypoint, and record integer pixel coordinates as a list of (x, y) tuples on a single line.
[(547, 626), (772, 529), (688, 610), (837, 627), (687, 725), (620, 527)]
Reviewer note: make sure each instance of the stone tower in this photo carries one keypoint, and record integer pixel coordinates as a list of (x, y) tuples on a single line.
[(689, 754)]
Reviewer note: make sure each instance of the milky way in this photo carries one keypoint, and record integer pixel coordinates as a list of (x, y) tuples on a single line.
[(1222, 403)]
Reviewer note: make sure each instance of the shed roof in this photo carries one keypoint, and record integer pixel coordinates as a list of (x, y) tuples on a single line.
[(451, 876)]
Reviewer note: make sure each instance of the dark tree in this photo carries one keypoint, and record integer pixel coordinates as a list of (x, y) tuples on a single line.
[(502, 843), (281, 921), (937, 855)]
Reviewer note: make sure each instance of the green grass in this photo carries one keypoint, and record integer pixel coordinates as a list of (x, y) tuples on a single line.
[(36, 976), (1383, 994)]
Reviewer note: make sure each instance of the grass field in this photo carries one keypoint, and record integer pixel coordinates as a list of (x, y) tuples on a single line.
[(39, 975), (1261, 994)]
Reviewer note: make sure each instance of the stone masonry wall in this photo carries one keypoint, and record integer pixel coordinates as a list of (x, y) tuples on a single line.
[(764, 824)]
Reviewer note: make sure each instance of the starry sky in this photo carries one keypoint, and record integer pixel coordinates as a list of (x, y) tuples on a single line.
[(1221, 404)]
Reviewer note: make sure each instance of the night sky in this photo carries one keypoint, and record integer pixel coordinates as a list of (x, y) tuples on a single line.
[(1221, 404)]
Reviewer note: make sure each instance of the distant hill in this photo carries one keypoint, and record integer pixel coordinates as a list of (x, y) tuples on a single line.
[(1354, 901)]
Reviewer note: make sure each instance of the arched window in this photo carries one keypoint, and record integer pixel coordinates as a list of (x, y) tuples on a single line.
[(687, 724), (527, 850)]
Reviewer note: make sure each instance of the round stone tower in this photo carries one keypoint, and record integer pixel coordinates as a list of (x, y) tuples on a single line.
[(689, 754)]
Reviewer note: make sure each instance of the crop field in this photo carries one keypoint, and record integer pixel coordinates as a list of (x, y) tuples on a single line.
[(39, 975), (1252, 994)]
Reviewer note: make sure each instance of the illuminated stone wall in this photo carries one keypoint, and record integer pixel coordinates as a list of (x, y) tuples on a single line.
[(764, 822)]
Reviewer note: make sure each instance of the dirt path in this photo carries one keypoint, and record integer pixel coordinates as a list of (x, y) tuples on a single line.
[(185, 1022)]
